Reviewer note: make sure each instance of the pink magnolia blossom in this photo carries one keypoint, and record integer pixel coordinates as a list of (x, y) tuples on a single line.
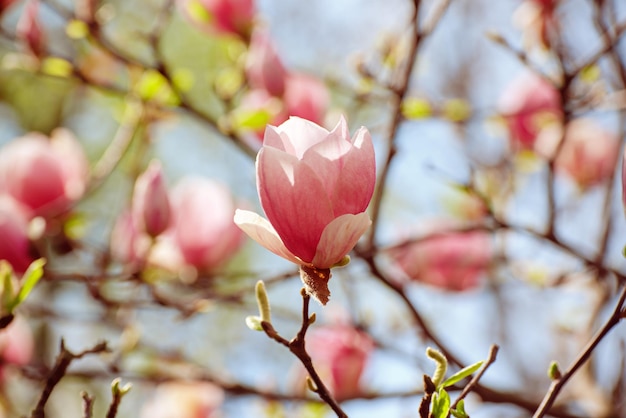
[(46, 174), (16, 344), (529, 105), (129, 245), (340, 354), (314, 186), (453, 261), (29, 28), (151, 205), (306, 97), (589, 153), (264, 68), (202, 233), (222, 16), (184, 400), (14, 242)]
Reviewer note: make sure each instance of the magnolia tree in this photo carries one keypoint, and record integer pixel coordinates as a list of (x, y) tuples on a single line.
[(222, 208)]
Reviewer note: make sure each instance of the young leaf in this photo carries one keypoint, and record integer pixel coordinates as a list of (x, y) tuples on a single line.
[(462, 374), (29, 280), (459, 412), (440, 405)]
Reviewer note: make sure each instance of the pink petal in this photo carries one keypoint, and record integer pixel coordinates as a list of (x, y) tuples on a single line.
[(339, 238), (301, 134), (260, 230), (294, 200)]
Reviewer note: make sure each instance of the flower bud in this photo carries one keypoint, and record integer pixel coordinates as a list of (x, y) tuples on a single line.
[(151, 205)]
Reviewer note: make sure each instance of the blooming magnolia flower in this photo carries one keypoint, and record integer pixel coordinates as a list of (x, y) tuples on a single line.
[(14, 242), (340, 354), (16, 344), (151, 205), (530, 106), (314, 186), (264, 68), (589, 153), (202, 233), (184, 400), (46, 175), (224, 16), (451, 261)]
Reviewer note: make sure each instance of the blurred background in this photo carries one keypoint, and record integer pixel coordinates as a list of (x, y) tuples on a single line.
[(498, 215)]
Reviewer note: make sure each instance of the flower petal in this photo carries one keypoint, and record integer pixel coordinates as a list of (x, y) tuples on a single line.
[(294, 200), (260, 230), (302, 134), (338, 239)]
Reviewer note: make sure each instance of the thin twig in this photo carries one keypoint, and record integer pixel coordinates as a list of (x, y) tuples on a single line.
[(493, 352), (559, 383), (64, 359)]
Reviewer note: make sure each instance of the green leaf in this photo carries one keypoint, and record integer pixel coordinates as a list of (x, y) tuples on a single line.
[(459, 412), (462, 374), (6, 292), (440, 405), (28, 282)]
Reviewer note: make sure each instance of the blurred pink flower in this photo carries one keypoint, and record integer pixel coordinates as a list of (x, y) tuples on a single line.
[(589, 153), (453, 261), (47, 175), (314, 186), (16, 344), (14, 242), (29, 28), (202, 233), (340, 354), (306, 97), (128, 244), (264, 68), (151, 205), (184, 400), (221, 16), (529, 105)]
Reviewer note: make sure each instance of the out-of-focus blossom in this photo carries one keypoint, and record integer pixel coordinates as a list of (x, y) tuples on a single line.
[(29, 28), (314, 186), (340, 354), (221, 16), (14, 242), (589, 153), (306, 97), (531, 107), (46, 175), (536, 18), (264, 68), (202, 233), (451, 261), (16, 344), (151, 205), (128, 244), (184, 400)]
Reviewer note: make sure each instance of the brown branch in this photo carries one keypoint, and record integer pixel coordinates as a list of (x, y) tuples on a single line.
[(297, 347), (64, 359), (559, 383), (493, 352), (87, 405)]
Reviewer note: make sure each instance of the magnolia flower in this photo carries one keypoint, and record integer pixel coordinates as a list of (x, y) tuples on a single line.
[(223, 16), (452, 261), (530, 106), (14, 242), (314, 186), (46, 174), (184, 400), (151, 206), (589, 153), (202, 234), (340, 354), (306, 97), (264, 68), (16, 344), (29, 28)]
